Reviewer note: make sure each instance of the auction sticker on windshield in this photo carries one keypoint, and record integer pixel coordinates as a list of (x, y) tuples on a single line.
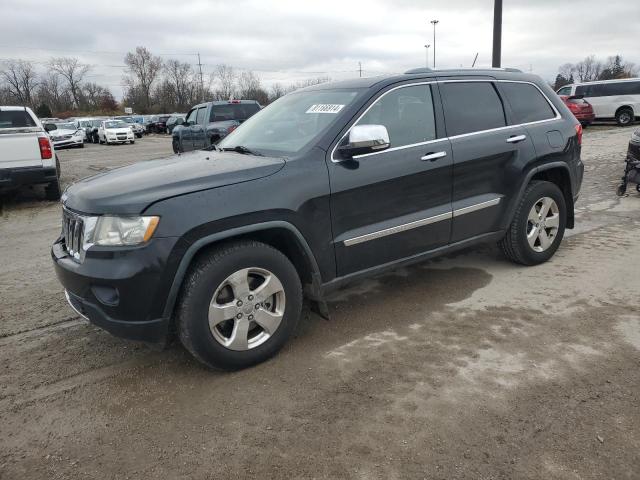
[(325, 108)]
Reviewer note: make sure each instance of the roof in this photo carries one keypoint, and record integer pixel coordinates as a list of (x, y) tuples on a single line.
[(424, 73), (615, 80)]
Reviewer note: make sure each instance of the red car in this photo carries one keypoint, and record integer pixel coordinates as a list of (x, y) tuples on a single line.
[(581, 109)]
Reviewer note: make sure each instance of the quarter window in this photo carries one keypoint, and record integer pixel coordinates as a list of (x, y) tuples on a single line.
[(407, 113), (564, 91), (527, 103), (471, 107)]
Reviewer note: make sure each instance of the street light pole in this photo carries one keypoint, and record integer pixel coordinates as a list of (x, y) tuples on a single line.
[(434, 22), (427, 56), (497, 34)]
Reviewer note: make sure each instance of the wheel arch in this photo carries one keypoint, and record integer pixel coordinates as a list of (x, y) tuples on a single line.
[(279, 234), (557, 173)]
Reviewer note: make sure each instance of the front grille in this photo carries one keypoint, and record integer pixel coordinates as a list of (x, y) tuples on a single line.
[(72, 232)]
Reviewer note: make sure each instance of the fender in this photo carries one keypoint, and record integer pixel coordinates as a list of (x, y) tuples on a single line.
[(537, 169), (314, 294)]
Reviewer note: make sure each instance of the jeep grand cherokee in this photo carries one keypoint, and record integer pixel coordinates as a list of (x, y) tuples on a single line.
[(324, 186)]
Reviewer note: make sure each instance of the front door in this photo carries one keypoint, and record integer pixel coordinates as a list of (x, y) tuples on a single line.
[(396, 203)]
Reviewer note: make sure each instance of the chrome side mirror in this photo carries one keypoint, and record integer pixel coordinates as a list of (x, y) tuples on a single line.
[(365, 139)]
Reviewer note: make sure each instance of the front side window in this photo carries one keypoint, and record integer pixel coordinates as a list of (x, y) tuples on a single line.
[(471, 107), (202, 111), (527, 102), (191, 116), (407, 113)]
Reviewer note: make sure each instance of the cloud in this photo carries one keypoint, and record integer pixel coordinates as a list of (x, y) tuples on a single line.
[(283, 39)]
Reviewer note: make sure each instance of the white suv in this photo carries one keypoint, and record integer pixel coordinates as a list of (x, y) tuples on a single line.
[(27, 156)]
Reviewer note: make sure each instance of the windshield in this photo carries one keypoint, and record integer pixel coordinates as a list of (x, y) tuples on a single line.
[(15, 119), (115, 124), (286, 126), (66, 126)]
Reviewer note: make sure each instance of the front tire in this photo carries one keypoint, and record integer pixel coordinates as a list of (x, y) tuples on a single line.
[(176, 145), (239, 304), (538, 225)]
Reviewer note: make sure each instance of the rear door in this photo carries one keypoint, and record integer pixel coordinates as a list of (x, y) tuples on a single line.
[(395, 203), (19, 145), (488, 155)]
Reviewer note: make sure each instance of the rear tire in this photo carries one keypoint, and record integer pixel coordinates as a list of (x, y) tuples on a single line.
[(538, 225), (132, 142), (624, 117), (219, 278)]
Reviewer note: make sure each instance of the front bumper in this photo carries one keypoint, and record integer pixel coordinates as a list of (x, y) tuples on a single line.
[(16, 177), (123, 291), (72, 142)]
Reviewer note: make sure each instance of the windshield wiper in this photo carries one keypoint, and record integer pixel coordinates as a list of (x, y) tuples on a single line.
[(241, 149)]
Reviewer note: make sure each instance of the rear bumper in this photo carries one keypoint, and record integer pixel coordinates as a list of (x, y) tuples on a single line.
[(585, 117), (16, 177), (68, 143)]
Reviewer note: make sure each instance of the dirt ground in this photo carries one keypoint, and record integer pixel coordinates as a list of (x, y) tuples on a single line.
[(463, 367)]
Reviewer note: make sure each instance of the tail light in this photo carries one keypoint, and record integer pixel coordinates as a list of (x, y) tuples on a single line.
[(45, 148), (579, 133), (231, 128)]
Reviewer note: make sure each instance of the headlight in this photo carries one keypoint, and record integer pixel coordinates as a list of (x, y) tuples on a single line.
[(118, 231), (635, 137)]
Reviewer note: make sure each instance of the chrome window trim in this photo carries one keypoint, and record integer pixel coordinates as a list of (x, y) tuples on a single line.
[(420, 223), (453, 137)]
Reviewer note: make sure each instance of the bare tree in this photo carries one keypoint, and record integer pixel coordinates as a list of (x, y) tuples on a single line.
[(21, 80), (143, 70), (226, 80), (180, 78), (73, 73), (276, 91), (588, 69), (52, 93)]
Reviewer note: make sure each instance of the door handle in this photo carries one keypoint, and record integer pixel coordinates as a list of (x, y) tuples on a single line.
[(516, 138), (433, 156)]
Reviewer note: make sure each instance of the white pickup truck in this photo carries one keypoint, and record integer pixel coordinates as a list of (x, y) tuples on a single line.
[(27, 156)]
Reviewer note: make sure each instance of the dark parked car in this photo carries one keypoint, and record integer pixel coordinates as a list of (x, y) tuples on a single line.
[(208, 123), (174, 121), (580, 108), (160, 125), (325, 186)]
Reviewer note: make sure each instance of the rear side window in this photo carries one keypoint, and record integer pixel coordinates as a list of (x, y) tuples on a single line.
[(16, 119), (233, 111), (471, 107), (527, 102), (407, 113), (564, 91)]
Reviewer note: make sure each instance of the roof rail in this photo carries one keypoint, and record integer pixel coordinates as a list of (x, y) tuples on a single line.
[(428, 70)]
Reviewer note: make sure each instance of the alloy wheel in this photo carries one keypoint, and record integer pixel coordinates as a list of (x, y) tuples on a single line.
[(542, 224), (246, 309)]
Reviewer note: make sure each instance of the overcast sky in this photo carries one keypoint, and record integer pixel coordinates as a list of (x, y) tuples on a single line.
[(286, 41)]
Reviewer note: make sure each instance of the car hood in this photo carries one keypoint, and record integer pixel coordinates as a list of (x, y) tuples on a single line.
[(61, 133), (129, 190)]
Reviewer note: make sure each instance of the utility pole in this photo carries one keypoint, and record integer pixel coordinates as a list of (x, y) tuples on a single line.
[(427, 55), (497, 34), (360, 68), (201, 80), (434, 22)]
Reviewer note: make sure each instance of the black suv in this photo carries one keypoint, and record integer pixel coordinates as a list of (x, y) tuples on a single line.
[(327, 185)]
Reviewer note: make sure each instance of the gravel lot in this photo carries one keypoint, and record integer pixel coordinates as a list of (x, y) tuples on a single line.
[(463, 367)]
